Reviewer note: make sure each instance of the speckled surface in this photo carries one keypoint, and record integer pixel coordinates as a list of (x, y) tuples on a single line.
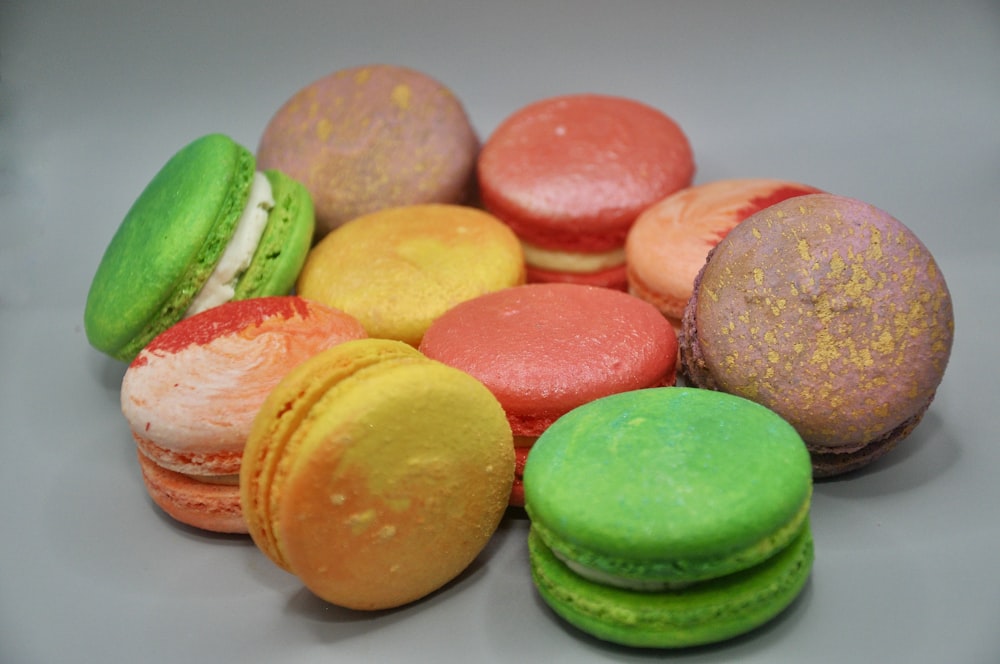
[(373, 136), (829, 311), (669, 242)]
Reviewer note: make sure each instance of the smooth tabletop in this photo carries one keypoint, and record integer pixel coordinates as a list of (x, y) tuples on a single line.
[(895, 103)]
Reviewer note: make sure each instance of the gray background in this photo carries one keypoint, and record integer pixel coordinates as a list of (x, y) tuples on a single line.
[(896, 103)]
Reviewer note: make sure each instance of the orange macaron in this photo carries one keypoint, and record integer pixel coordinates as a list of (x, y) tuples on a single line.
[(375, 474), (570, 174), (191, 395)]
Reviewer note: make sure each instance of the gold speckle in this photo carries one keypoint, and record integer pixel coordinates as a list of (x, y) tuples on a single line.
[(803, 247), (401, 96), (362, 75), (337, 499), (386, 532), (323, 129), (758, 276)]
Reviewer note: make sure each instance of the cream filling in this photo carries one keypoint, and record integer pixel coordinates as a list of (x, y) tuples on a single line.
[(605, 579), (569, 261), (228, 480), (221, 284)]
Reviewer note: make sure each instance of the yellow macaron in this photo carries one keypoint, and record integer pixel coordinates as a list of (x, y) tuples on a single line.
[(375, 474), (398, 269)]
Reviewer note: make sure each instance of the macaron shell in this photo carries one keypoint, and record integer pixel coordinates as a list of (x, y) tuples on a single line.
[(191, 395), (381, 478), (708, 612), (284, 410), (205, 505), (830, 312), (573, 172), (544, 349), (371, 137), (703, 484), (397, 270), (669, 242), (285, 243), (167, 245)]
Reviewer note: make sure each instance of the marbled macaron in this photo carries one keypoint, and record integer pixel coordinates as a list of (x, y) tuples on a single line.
[(670, 240), (191, 396)]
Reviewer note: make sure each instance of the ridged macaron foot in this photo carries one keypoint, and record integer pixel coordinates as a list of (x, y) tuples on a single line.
[(375, 474), (669, 517), (830, 312), (207, 229)]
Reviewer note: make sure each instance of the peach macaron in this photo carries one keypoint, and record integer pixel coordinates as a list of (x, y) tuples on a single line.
[(669, 241), (191, 395)]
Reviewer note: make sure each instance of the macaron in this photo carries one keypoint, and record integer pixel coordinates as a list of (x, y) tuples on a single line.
[(375, 474), (191, 395), (670, 240), (371, 137), (669, 517), (570, 174), (398, 269), (207, 229), (830, 312), (544, 349)]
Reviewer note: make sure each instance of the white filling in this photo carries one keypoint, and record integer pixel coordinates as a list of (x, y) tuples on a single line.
[(605, 579), (567, 261), (220, 286)]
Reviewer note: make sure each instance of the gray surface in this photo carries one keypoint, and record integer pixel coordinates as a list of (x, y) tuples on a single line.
[(897, 105)]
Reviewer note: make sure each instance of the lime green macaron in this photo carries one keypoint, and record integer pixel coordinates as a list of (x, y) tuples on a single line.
[(208, 228), (669, 517)]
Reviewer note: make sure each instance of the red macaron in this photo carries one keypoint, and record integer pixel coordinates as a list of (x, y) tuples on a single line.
[(570, 174), (544, 349)]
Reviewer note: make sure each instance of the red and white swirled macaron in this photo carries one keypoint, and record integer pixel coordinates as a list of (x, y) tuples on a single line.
[(191, 395)]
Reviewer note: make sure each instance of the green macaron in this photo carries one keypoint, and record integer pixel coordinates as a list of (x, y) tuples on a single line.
[(174, 240), (669, 517)]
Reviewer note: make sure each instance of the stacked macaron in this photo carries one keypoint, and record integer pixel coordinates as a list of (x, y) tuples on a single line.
[(570, 174), (370, 431)]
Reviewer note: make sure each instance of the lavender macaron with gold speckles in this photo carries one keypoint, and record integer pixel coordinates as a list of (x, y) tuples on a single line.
[(372, 137), (830, 312)]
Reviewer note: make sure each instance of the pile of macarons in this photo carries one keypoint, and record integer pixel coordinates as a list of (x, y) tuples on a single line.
[(370, 341)]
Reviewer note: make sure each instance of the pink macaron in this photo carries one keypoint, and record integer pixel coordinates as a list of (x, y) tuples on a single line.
[(544, 349), (830, 312), (371, 137), (570, 174), (191, 395), (669, 241)]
